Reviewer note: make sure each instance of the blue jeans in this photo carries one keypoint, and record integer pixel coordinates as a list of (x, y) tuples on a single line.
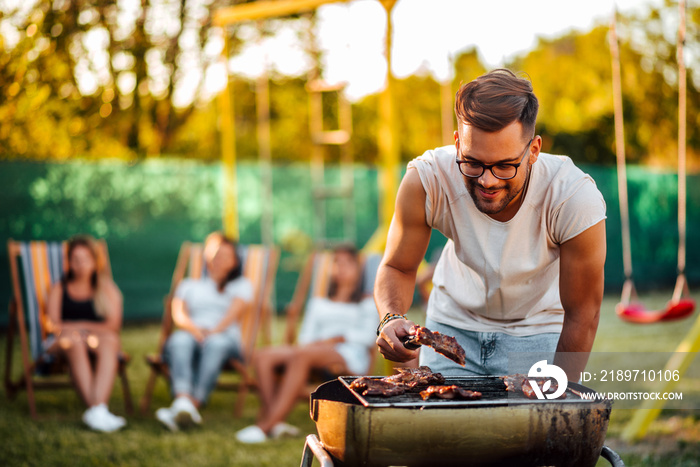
[(489, 353), (195, 367)]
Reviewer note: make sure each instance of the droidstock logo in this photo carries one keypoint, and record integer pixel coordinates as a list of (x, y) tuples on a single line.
[(542, 369)]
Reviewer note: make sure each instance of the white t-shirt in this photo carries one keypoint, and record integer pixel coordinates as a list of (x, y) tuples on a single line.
[(504, 276), (356, 322), (206, 306)]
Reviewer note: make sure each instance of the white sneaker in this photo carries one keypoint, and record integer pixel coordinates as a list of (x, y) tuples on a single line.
[(282, 430), (251, 435), (119, 422), (99, 418), (185, 412), (167, 418), (91, 419)]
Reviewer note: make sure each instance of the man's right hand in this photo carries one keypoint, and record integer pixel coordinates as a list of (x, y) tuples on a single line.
[(390, 341)]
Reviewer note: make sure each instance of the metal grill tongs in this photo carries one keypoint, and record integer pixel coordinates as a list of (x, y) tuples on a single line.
[(410, 342)]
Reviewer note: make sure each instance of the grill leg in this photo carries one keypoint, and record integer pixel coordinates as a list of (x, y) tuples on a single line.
[(612, 457), (314, 448)]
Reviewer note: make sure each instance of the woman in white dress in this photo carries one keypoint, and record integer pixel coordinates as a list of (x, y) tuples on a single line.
[(336, 335)]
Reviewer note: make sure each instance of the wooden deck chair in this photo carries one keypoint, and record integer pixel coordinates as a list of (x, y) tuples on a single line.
[(259, 266), (314, 281), (42, 264)]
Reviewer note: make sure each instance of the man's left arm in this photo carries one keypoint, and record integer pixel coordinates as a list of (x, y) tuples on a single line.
[(582, 259)]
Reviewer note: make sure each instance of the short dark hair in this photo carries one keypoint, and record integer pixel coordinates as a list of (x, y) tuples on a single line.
[(493, 101)]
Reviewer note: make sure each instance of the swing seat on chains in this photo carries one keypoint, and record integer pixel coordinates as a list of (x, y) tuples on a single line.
[(637, 313)]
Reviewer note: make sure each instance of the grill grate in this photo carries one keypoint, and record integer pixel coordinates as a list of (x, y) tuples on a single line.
[(492, 388)]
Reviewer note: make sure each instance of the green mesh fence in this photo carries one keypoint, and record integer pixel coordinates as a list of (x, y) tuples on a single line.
[(145, 211)]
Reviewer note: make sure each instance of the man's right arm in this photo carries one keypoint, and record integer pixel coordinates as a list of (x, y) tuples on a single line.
[(406, 244)]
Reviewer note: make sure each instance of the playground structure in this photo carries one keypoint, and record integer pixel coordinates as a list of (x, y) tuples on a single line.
[(388, 178), (678, 307), (630, 309)]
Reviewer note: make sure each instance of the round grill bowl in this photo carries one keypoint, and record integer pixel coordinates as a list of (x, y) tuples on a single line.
[(567, 432)]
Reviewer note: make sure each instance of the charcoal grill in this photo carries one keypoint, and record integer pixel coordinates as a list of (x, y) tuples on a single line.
[(500, 429)]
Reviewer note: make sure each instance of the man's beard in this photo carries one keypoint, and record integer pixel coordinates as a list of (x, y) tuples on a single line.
[(497, 205)]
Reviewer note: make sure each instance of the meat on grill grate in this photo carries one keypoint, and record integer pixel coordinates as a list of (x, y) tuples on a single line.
[(520, 383), (449, 392), (377, 387), (514, 383), (395, 385), (445, 345), (415, 376)]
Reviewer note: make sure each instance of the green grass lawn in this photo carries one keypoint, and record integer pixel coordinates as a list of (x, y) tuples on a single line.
[(60, 438)]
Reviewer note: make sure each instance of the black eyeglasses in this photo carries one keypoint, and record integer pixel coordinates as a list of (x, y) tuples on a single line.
[(501, 171)]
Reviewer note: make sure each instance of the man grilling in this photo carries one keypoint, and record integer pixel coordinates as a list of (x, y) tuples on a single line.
[(522, 270)]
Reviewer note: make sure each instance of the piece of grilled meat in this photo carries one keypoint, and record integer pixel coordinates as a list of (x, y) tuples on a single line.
[(445, 345), (420, 376), (520, 383), (514, 383), (377, 387), (449, 392), (405, 379)]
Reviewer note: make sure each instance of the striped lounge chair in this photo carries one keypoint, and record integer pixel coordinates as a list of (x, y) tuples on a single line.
[(34, 267)]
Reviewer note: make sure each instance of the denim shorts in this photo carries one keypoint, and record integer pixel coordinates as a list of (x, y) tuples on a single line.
[(489, 353)]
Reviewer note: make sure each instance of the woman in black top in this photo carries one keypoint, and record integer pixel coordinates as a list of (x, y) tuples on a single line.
[(84, 313)]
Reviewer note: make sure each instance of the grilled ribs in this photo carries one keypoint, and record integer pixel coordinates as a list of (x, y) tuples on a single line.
[(377, 387), (395, 385), (514, 383), (445, 345), (415, 377), (520, 383), (449, 392)]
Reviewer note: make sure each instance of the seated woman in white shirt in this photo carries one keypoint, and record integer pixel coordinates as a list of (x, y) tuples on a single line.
[(336, 335), (207, 312)]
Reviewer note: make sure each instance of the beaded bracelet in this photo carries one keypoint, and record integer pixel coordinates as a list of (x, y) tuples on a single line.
[(388, 317)]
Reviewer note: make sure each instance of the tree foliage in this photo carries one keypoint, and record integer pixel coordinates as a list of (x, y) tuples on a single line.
[(572, 78), (123, 78), (103, 78)]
